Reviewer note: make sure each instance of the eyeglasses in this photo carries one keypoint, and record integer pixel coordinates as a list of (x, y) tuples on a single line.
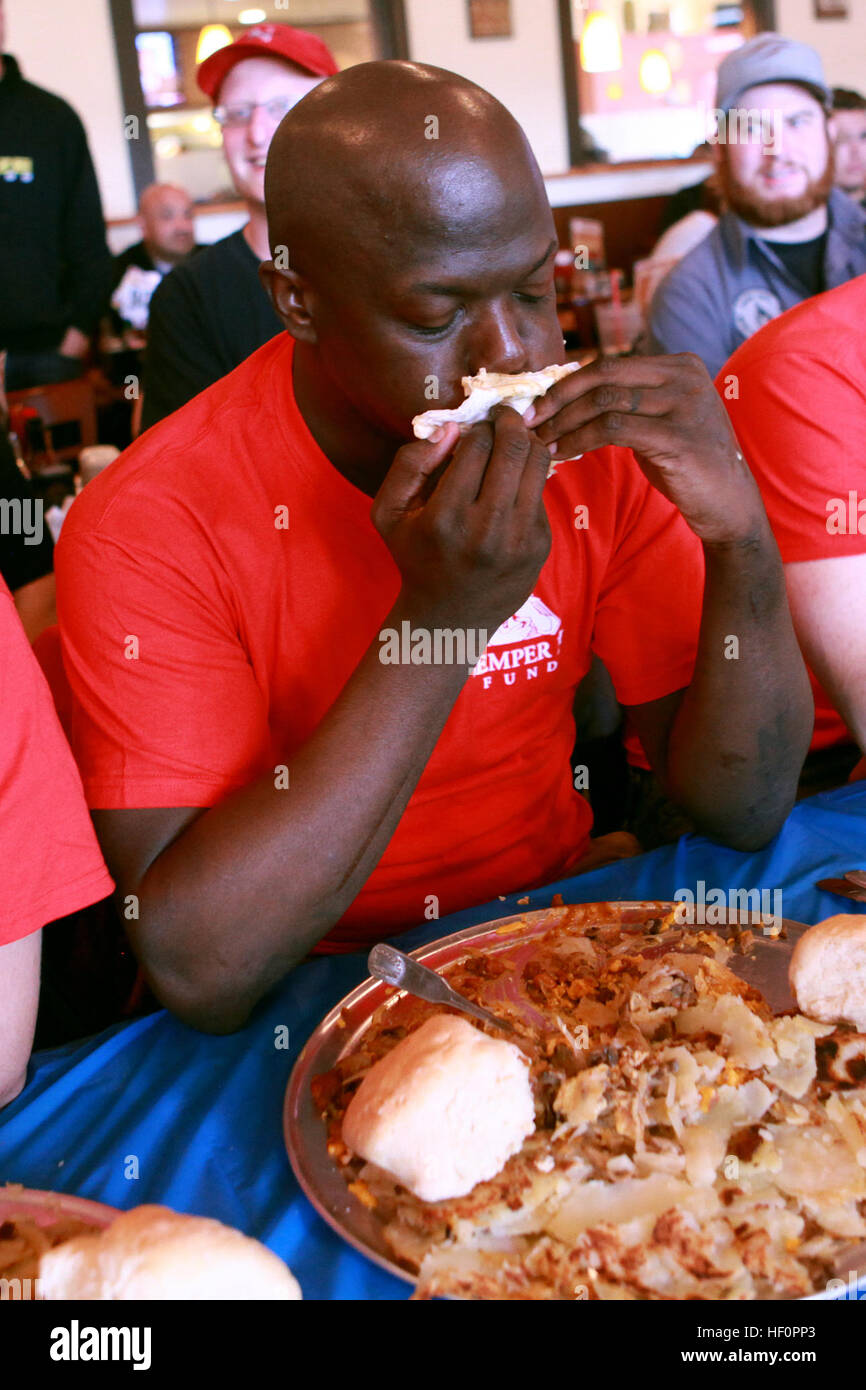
[(242, 114)]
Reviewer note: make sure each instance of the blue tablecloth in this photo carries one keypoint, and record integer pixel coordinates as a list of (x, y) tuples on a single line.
[(151, 1111)]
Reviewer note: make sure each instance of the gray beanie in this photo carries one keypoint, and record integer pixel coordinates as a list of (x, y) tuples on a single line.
[(770, 58)]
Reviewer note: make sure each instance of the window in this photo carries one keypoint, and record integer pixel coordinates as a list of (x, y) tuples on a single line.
[(646, 72), (185, 139)]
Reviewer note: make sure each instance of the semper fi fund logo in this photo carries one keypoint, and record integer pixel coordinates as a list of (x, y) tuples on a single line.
[(524, 647)]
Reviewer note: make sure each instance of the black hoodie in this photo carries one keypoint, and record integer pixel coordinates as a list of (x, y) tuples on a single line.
[(55, 267)]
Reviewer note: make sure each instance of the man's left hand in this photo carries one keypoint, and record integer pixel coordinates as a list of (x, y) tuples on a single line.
[(667, 411)]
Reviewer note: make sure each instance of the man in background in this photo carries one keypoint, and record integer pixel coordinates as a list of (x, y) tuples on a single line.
[(787, 233), (165, 215), (849, 142), (207, 316), (55, 265)]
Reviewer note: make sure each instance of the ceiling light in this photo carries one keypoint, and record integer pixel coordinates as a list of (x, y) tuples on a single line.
[(654, 72), (211, 38), (168, 147), (252, 16), (600, 46)]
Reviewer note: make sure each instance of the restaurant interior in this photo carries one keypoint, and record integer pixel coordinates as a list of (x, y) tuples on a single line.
[(433, 654)]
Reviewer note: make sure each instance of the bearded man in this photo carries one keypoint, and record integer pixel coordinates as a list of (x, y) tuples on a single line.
[(787, 233)]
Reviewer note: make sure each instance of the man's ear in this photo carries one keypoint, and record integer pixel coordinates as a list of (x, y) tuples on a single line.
[(291, 296)]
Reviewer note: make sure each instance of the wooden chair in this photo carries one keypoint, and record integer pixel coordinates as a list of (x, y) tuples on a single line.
[(62, 403)]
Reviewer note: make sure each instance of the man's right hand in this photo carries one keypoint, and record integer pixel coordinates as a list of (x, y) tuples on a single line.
[(469, 536)]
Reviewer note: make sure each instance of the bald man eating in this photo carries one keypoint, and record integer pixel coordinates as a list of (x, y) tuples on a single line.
[(264, 780)]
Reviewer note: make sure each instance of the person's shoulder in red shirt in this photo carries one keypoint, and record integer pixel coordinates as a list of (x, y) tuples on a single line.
[(796, 394), (51, 861)]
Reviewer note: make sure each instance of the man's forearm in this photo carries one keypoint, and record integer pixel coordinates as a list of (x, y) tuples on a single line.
[(736, 774), (842, 676), (828, 606), (252, 884), (19, 997)]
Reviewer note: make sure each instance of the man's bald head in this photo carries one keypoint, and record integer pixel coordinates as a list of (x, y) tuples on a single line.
[(165, 212), (158, 193), (420, 247), (390, 154)]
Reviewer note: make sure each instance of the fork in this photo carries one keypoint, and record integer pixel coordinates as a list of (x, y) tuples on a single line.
[(395, 968)]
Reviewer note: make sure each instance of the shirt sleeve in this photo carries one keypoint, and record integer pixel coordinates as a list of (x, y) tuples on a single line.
[(684, 318), (167, 710), (649, 608), (51, 861), (800, 419), (181, 357), (87, 270)]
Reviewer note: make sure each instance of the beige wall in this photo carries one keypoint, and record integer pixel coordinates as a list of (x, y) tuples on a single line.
[(68, 47), (841, 42), (524, 72)]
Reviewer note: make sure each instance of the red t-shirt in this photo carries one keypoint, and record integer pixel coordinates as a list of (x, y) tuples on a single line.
[(50, 863), (247, 632), (801, 422)]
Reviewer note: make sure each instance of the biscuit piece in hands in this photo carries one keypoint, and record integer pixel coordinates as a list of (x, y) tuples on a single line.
[(828, 971), (154, 1253), (444, 1110), (486, 391)]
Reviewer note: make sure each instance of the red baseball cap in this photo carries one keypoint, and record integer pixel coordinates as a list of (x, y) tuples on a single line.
[(270, 40)]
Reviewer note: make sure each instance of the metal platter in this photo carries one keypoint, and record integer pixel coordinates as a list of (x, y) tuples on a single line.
[(46, 1208), (765, 967)]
